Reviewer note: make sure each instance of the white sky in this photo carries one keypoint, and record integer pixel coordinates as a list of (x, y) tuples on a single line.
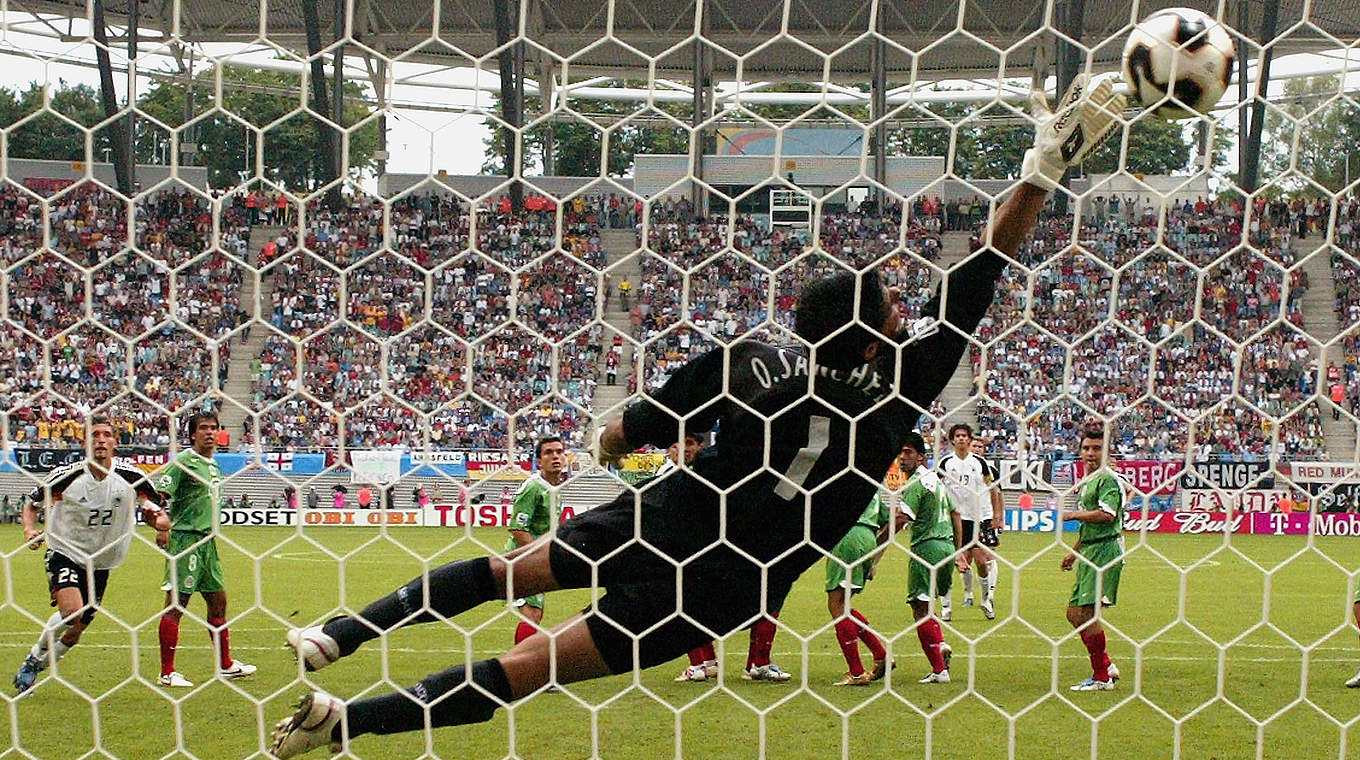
[(419, 141)]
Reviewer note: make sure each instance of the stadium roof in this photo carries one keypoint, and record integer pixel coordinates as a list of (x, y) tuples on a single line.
[(937, 38)]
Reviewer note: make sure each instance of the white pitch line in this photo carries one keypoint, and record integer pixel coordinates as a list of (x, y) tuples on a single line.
[(319, 557)]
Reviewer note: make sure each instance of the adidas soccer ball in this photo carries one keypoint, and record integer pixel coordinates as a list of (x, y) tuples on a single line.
[(1178, 62)]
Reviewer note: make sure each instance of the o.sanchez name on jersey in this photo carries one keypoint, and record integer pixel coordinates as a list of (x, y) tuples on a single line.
[(969, 480), (91, 519)]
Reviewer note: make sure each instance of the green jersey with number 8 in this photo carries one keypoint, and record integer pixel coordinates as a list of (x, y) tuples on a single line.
[(193, 483)]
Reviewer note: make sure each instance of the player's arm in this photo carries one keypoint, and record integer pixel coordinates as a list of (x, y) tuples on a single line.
[(905, 511), (521, 514), (960, 559), (42, 498), (150, 501), (998, 503), (1070, 560), (1087, 114), (29, 517), (1108, 497), (166, 486), (885, 521), (655, 419), (1060, 142)]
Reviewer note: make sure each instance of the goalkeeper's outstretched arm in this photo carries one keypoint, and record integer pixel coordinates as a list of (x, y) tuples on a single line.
[(1085, 116)]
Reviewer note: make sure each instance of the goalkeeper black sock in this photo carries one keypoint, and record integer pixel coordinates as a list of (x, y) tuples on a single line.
[(458, 702), (454, 588)]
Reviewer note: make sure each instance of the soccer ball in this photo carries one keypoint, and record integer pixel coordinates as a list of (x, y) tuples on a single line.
[(1178, 62)]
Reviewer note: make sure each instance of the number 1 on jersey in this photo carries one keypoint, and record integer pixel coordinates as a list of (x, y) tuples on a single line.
[(819, 436)]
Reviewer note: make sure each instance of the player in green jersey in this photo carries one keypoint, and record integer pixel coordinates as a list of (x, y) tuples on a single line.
[(936, 534), (534, 514), (1354, 681), (191, 483), (1100, 544), (848, 569)]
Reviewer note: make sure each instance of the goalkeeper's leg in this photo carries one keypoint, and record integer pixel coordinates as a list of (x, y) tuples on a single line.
[(457, 696), (448, 590)]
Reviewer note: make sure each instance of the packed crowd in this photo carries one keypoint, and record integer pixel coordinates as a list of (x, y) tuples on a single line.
[(1249, 304), (692, 276), (1345, 262), (128, 292), (428, 254), (470, 295)]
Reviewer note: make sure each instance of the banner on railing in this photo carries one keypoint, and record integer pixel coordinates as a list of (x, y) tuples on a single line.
[(282, 462), (1251, 500), (430, 463), (1227, 475), (45, 460), (1334, 497), (1032, 474), (380, 466), (1319, 472), (1148, 476)]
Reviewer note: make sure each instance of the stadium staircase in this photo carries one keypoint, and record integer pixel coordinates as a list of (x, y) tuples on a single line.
[(961, 386), (1319, 315), (238, 386), (620, 248)]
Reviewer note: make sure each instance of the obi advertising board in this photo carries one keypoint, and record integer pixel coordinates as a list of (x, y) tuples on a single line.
[(430, 516)]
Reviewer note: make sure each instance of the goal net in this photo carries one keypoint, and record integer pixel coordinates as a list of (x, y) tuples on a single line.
[(394, 247)]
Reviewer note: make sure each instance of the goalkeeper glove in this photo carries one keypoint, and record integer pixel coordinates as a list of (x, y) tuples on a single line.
[(1085, 116)]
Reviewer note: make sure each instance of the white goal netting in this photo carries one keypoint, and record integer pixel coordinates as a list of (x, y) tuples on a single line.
[(505, 220)]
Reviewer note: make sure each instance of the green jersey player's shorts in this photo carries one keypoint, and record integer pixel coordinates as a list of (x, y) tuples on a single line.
[(1105, 562), (535, 601), (197, 567), (935, 556), (848, 552)]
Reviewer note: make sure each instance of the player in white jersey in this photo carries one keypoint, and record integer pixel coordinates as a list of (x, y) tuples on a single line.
[(969, 480), (90, 506)]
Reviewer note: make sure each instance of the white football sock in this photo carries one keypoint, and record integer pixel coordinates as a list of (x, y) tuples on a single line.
[(55, 628), (991, 576), (968, 582)]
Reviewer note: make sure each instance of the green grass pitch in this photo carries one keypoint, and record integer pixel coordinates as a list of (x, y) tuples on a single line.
[(1274, 685)]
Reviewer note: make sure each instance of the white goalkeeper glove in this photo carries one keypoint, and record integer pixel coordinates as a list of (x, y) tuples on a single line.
[(1085, 116)]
